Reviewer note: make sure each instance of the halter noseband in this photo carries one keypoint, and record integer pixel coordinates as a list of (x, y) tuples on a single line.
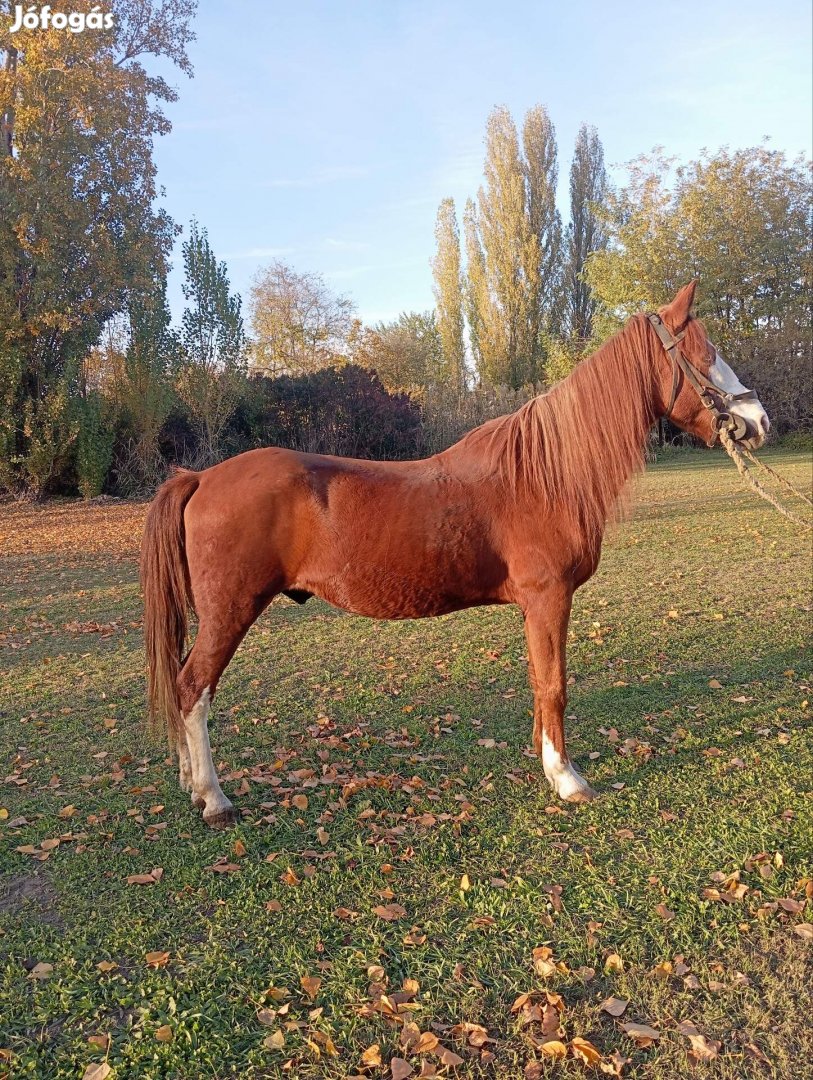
[(710, 395)]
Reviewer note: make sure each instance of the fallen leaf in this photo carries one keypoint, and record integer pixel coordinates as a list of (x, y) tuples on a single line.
[(239, 849), (97, 1070), (41, 971), (164, 1033), (553, 1048), (310, 984), (664, 912), (156, 959), (300, 802), (615, 1006), (583, 1050), (345, 914), (642, 1034), (448, 1057), (804, 930), (703, 1049), (390, 912), (613, 962), (400, 1069), (107, 965), (793, 906), (371, 1057), (274, 1041), (223, 867)]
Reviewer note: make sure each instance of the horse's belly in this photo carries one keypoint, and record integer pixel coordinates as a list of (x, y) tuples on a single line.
[(386, 594)]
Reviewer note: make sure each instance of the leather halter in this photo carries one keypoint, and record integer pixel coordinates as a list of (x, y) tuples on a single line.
[(712, 397)]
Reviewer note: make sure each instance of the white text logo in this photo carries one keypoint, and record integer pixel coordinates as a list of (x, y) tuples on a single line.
[(36, 18)]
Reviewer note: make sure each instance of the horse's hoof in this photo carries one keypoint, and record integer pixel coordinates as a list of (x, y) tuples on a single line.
[(221, 819), (581, 795)]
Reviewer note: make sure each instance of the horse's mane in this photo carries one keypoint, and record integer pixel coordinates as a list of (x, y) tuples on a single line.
[(577, 445)]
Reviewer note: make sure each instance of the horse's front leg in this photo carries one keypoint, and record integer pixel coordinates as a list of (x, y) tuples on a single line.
[(547, 613)]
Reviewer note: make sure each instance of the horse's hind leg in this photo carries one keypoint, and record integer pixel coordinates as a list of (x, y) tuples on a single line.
[(185, 770), (216, 641)]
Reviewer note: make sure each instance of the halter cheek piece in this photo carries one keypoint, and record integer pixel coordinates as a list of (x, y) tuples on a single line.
[(712, 397)]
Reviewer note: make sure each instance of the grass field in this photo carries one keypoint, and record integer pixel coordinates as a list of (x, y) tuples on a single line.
[(399, 858)]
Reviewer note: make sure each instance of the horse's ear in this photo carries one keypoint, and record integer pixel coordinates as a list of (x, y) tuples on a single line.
[(677, 313)]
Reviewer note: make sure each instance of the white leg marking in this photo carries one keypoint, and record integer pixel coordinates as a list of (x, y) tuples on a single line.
[(562, 777), (218, 811), (184, 763)]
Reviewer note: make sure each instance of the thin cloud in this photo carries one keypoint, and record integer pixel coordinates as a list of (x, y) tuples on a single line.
[(332, 174)]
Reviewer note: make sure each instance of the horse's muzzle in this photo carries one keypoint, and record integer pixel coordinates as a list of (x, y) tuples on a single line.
[(745, 432)]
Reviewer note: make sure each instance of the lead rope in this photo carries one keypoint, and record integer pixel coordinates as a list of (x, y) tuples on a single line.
[(777, 476), (736, 456)]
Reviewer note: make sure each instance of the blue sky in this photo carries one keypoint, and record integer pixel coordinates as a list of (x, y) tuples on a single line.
[(326, 134)]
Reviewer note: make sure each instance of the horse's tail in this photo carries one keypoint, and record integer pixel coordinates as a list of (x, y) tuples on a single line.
[(167, 596)]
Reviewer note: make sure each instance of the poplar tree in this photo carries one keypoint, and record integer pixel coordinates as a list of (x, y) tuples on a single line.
[(513, 246), (213, 341), (586, 233), (449, 294)]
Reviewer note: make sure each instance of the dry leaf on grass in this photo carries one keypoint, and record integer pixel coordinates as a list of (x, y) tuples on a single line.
[(642, 1034), (150, 878), (390, 912), (613, 962), (615, 1006), (553, 1048), (703, 1049), (98, 1070), (400, 1069), (448, 1057), (371, 1058), (584, 1051), (310, 984), (41, 971), (164, 1033), (156, 959)]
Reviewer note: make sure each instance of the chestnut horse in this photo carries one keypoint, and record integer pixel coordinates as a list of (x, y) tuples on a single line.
[(514, 513)]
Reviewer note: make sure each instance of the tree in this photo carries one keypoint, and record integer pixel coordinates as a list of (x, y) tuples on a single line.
[(586, 232), (513, 245), (298, 324), (78, 222), (449, 295), (143, 386), (213, 341), (407, 352), (740, 222)]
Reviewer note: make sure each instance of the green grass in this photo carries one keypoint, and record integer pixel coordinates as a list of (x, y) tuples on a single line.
[(704, 583)]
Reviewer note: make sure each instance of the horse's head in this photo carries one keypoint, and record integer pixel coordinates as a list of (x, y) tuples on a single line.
[(698, 390)]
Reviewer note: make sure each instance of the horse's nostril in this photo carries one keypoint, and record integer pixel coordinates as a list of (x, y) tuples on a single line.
[(765, 423)]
